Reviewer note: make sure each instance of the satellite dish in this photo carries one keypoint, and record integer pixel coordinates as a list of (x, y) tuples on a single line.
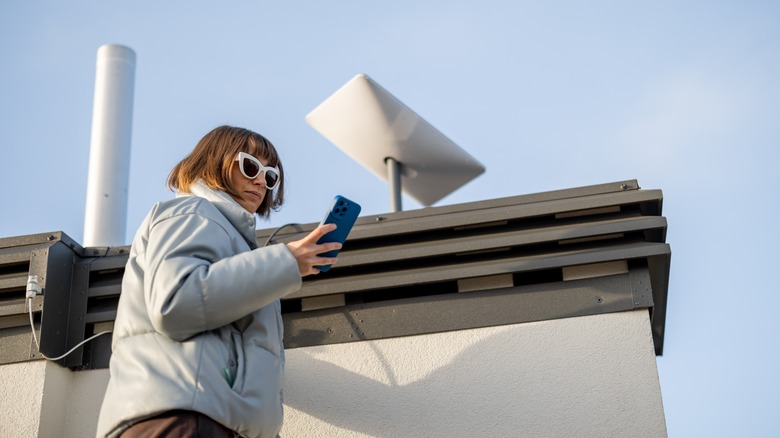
[(385, 136)]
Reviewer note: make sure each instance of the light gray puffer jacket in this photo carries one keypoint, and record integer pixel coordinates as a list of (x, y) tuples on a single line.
[(198, 325)]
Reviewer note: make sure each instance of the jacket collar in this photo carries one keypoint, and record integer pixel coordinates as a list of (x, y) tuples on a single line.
[(237, 215)]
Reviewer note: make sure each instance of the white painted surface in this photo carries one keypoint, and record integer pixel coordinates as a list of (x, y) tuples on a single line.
[(57, 400), (85, 396), (21, 395), (369, 124), (592, 376), (105, 217)]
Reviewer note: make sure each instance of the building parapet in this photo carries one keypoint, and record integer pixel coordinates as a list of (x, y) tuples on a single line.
[(582, 251)]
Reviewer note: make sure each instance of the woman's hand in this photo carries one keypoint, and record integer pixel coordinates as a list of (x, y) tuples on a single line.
[(305, 250)]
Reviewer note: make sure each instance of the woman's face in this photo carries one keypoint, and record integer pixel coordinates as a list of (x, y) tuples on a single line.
[(250, 192)]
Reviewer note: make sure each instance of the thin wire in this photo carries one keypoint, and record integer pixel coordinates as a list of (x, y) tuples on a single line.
[(32, 325), (294, 225)]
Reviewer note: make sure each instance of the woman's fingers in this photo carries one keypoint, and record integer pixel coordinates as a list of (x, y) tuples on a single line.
[(310, 267), (307, 252), (318, 232)]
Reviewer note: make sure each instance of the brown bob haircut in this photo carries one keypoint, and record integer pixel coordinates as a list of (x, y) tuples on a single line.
[(212, 160)]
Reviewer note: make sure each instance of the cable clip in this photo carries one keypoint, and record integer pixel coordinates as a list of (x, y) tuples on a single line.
[(33, 287)]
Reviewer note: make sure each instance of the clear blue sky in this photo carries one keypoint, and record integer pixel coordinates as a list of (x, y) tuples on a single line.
[(681, 95)]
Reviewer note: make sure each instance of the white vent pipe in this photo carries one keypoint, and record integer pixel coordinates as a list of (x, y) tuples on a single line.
[(105, 218)]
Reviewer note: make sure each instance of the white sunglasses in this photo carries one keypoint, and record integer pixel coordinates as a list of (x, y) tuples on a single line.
[(251, 168)]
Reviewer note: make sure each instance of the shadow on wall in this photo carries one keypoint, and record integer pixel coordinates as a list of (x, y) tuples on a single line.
[(488, 382)]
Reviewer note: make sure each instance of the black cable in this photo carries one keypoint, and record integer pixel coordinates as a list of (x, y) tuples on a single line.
[(294, 225)]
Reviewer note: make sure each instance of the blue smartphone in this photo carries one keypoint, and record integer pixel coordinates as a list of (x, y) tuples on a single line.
[(342, 212)]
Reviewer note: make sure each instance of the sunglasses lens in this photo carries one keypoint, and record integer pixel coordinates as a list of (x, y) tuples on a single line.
[(271, 178), (250, 168)]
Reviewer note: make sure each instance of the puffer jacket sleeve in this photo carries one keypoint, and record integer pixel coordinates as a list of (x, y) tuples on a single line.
[(195, 282)]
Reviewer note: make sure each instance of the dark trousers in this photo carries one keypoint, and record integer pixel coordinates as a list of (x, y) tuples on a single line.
[(179, 424)]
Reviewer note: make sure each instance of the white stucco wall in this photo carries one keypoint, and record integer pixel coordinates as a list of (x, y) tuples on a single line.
[(21, 396), (42, 399), (592, 376)]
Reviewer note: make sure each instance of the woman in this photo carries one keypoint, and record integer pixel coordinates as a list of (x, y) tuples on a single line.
[(197, 345)]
